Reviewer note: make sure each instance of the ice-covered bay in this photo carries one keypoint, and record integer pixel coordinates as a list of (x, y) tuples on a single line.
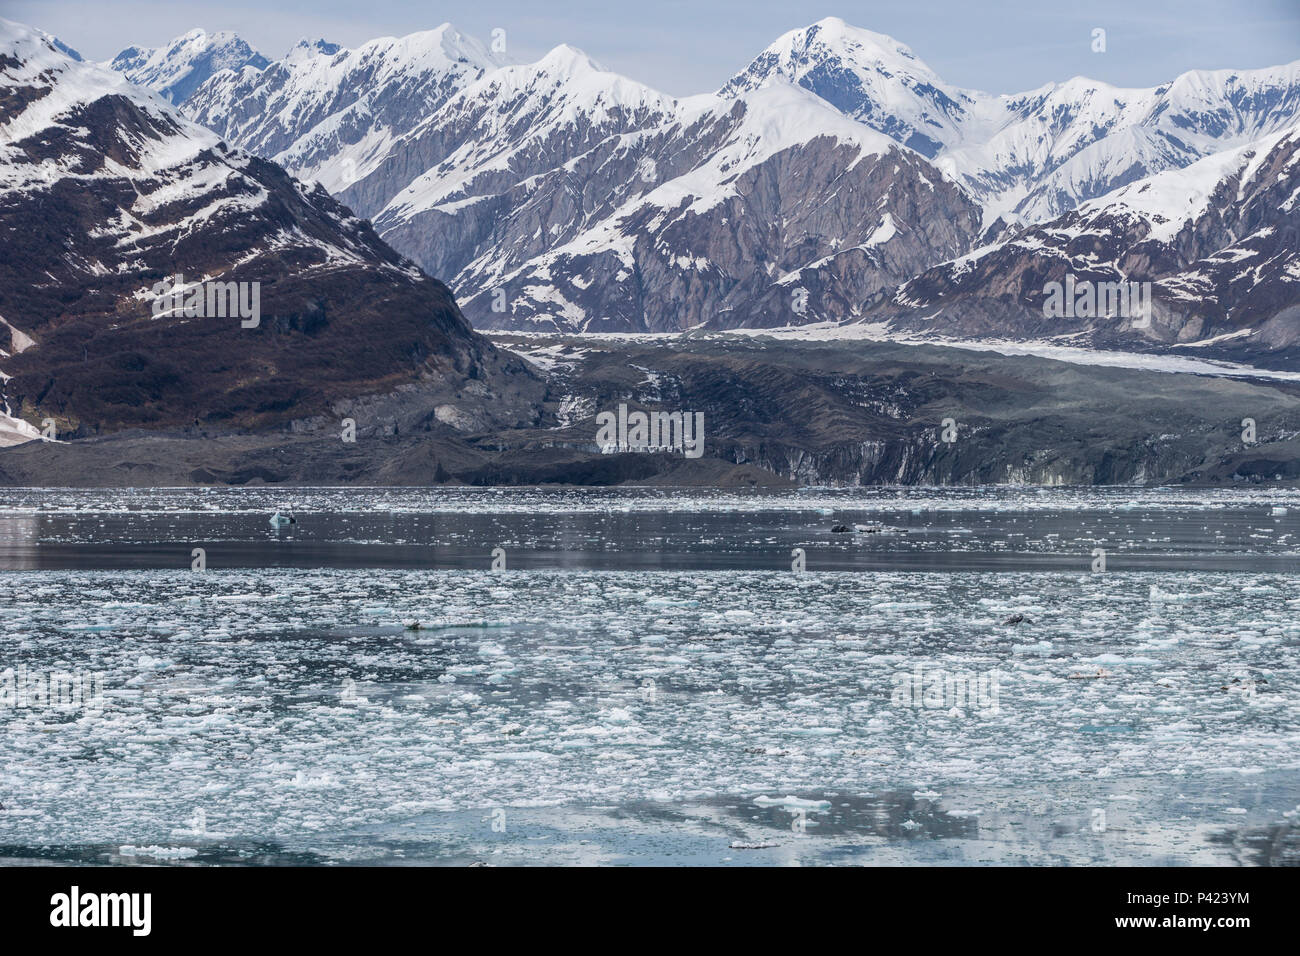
[(648, 680), (295, 706)]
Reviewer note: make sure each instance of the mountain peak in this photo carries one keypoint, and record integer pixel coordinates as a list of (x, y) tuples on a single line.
[(316, 47), (869, 77), (834, 36), (178, 68), (569, 59), (19, 36), (430, 50)]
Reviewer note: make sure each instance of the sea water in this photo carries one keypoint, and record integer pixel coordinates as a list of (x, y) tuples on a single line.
[(645, 679)]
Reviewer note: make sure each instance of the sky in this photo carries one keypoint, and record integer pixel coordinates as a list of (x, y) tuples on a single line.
[(683, 47)]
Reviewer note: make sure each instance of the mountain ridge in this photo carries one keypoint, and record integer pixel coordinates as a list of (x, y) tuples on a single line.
[(533, 188), (115, 194)]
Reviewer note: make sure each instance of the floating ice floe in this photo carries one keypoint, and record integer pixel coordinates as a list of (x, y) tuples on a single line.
[(792, 802), (159, 852)]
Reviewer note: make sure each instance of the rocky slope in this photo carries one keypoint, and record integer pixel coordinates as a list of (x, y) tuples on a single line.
[(775, 413), (847, 413), (769, 209), (1219, 242), (106, 191)]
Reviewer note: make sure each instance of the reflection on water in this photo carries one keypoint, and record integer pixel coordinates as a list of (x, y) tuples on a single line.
[(1012, 537), (885, 828), (19, 542)]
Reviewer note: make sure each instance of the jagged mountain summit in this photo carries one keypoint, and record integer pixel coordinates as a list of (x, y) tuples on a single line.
[(176, 70), (833, 170), (1218, 242), (1031, 156), (877, 81), (560, 195), (733, 212), (331, 114), (109, 196), (1074, 141)]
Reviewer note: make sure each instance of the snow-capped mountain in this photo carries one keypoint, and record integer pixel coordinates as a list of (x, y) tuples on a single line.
[(1074, 141), (834, 168), (560, 195), (176, 70), (511, 124), (765, 210), (107, 191), (1031, 156), (875, 80), (331, 114), (1218, 241)]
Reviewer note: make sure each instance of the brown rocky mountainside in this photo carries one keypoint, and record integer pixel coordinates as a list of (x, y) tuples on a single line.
[(106, 192)]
